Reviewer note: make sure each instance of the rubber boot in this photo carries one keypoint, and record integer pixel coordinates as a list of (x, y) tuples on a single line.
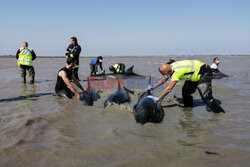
[(23, 79), (32, 80)]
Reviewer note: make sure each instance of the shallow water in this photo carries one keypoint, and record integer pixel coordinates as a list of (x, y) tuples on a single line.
[(38, 129)]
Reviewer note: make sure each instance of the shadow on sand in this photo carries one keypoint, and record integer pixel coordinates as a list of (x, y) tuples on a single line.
[(32, 97)]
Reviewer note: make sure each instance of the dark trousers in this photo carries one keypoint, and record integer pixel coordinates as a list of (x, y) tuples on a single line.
[(122, 68), (93, 69), (65, 93), (31, 72), (205, 90)]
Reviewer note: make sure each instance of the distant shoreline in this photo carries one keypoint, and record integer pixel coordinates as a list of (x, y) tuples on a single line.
[(145, 56)]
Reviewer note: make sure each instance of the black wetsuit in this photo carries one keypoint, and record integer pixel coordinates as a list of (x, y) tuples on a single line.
[(61, 88), (75, 50)]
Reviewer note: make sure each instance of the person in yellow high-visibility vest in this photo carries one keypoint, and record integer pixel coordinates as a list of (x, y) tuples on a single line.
[(196, 74), (25, 57), (117, 68)]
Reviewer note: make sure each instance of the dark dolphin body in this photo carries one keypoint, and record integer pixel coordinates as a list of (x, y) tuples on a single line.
[(119, 96), (219, 75), (146, 110), (90, 95)]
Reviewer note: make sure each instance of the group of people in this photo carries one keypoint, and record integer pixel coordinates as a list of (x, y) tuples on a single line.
[(196, 74)]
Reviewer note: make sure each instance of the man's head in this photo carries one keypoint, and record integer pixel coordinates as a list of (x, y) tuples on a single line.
[(100, 58), (25, 44), (216, 60), (166, 70), (70, 62), (73, 40), (111, 68)]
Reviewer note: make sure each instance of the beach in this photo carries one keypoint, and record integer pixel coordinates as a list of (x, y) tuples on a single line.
[(39, 129)]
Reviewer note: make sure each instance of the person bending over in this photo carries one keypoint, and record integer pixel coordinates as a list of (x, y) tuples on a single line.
[(94, 63), (118, 68), (196, 74)]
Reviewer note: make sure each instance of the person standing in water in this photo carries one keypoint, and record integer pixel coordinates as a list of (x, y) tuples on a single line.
[(215, 65), (25, 57), (73, 51), (196, 74), (63, 87), (94, 63)]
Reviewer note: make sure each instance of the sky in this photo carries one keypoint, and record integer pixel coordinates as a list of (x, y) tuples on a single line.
[(127, 27)]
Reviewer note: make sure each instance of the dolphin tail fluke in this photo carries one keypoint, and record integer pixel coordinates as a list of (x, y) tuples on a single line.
[(149, 85), (130, 91)]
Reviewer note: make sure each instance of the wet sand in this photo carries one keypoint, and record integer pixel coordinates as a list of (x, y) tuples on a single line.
[(38, 129)]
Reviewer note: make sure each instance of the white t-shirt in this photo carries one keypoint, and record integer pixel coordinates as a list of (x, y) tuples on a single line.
[(214, 66)]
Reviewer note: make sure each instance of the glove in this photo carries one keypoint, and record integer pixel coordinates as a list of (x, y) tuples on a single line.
[(150, 87), (155, 99)]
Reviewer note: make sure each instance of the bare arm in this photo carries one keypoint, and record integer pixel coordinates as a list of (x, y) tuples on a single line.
[(66, 81), (160, 82), (167, 89), (77, 83)]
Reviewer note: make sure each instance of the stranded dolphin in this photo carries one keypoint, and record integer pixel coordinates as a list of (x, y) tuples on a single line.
[(146, 110), (119, 96), (90, 95), (219, 75)]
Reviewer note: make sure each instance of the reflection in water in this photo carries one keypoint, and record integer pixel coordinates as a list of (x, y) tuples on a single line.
[(191, 129), (27, 94)]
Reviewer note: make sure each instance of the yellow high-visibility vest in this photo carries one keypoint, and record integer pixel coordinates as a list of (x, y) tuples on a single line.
[(25, 57), (117, 68), (186, 70)]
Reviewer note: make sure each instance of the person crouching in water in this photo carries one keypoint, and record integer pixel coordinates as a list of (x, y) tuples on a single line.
[(196, 74), (94, 63), (118, 68), (63, 87), (25, 57)]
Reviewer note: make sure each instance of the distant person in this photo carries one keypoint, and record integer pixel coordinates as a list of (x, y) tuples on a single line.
[(170, 61), (25, 57), (196, 74), (118, 68), (63, 87), (73, 51), (215, 65), (94, 63)]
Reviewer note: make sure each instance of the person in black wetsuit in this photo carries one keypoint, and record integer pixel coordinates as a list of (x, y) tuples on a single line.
[(63, 87), (73, 51)]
